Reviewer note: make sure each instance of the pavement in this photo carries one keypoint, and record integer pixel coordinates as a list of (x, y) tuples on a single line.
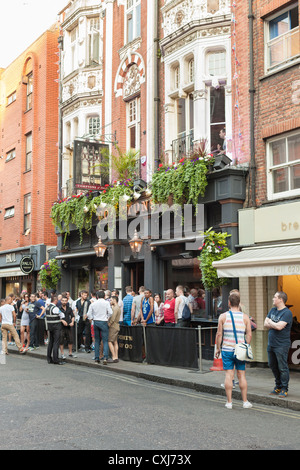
[(260, 379)]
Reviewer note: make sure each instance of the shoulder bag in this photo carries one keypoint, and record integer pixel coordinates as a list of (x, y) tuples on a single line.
[(243, 351)]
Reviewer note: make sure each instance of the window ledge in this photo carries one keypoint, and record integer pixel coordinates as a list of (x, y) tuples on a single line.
[(280, 69)]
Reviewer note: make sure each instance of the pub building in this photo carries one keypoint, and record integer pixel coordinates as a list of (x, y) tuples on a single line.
[(166, 259)]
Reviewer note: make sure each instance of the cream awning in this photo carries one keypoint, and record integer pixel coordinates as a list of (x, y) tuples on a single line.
[(275, 260), (10, 272)]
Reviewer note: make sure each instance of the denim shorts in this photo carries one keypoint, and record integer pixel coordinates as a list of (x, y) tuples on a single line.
[(230, 361)]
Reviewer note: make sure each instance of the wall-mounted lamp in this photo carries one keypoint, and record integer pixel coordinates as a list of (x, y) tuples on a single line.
[(100, 248), (136, 243)]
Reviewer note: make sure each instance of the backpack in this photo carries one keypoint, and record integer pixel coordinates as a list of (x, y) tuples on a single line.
[(186, 313)]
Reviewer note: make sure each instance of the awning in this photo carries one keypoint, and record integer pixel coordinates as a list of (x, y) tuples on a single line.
[(10, 272), (76, 254), (275, 260)]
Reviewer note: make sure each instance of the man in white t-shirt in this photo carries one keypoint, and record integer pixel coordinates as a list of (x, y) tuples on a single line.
[(8, 319)]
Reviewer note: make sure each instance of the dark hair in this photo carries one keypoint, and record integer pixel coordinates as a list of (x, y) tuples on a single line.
[(115, 297), (100, 294)]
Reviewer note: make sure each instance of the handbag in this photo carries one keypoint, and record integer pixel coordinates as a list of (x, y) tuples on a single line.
[(243, 351)]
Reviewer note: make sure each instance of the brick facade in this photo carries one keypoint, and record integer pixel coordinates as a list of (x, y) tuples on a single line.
[(41, 119), (276, 104)]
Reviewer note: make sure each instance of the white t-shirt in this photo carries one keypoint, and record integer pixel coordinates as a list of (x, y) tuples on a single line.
[(7, 314)]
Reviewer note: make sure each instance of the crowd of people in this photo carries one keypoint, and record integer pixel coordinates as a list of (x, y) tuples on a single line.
[(97, 315)]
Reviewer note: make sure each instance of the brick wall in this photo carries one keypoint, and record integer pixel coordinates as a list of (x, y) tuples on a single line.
[(16, 122), (275, 109)]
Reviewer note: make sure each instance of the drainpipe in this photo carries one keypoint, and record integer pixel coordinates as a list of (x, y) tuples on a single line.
[(252, 91)]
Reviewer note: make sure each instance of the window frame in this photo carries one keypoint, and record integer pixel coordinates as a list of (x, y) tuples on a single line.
[(288, 164), (288, 61), (11, 98), (27, 212), (133, 123), (136, 26), (28, 152), (10, 155), (29, 91), (9, 212)]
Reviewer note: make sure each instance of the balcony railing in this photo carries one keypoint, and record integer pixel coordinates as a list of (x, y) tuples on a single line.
[(283, 49), (182, 146)]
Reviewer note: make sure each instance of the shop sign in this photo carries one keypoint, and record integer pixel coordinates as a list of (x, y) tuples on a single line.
[(27, 265), (90, 165)]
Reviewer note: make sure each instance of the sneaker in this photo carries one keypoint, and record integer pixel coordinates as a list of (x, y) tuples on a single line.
[(275, 391), (247, 404), (283, 394), (228, 406), (72, 355), (30, 348), (63, 356), (23, 351), (104, 362)]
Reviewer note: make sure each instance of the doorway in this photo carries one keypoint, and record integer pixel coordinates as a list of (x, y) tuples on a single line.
[(135, 275)]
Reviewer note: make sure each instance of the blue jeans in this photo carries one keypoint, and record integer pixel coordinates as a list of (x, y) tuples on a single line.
[(278, 363), (101, 327)]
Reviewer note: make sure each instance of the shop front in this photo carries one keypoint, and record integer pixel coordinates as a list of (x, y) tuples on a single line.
[(269, 262), (19, 269)]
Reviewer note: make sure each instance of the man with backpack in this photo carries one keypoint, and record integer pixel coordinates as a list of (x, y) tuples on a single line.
[(182, 309)]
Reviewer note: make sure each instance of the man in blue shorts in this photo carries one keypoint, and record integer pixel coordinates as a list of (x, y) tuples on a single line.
[(225, 336)]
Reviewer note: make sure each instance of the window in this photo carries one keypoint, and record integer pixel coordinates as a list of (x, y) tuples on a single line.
[(27, 212), (282, 38), (133, 124), (283, 156), (94, 40), (133, 19), (11, 98), (217, 119), (191, 71), (9, 212), (28, 158), (216, 63), (73, 36), (29, 90), (94, 125), (185, 127), (176, 77), (10, 155)]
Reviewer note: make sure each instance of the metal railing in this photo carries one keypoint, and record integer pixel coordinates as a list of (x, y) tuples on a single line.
[(182, 146)]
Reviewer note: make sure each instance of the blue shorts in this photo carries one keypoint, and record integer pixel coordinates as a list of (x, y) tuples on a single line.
[(230, 361)]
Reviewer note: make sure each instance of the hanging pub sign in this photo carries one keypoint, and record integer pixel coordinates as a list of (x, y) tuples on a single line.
[(90, 165), (26, 265)]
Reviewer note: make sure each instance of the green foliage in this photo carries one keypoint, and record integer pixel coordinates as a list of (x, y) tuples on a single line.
[(185, 181), (50, 274), (214, 248)]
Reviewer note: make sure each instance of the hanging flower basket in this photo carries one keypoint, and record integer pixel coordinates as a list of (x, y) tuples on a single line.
[(50, 274)]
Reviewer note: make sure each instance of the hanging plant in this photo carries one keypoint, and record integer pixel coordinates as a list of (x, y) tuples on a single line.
[(214, 248), (186, 180), (50, 274)]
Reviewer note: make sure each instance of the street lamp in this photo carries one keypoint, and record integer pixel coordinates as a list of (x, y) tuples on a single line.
[(100, 248), (136, 243)]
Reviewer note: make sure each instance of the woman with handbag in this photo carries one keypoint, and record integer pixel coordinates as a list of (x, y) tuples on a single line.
[(234, 333)]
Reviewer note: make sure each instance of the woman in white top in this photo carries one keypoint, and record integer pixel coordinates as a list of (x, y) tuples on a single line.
[(25, 321)]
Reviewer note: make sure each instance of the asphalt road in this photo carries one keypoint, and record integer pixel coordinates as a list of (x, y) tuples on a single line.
[(48, 407)]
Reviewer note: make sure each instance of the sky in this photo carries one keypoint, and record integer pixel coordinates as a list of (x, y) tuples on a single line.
[(22, 22)]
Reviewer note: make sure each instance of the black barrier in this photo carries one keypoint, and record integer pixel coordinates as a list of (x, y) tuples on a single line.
[(176, 347), (131, 343)]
